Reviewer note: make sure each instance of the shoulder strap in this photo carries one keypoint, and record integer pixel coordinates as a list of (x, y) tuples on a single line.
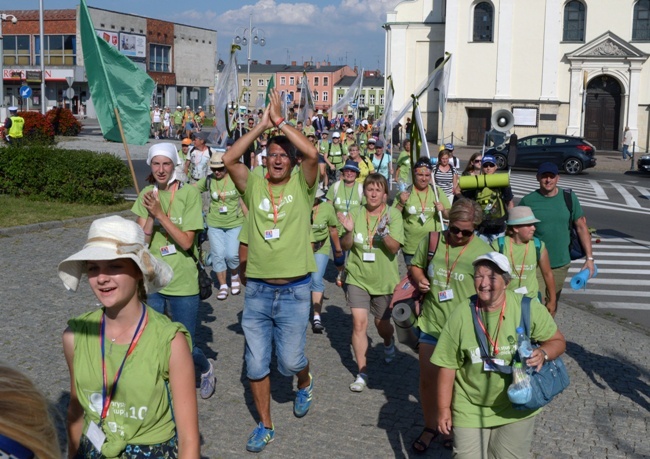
[(538, 247), (501, 240), (360, 191), (525, 315), (207, 182), (569, 203), (434, 238), (482, 340), (336, 187)]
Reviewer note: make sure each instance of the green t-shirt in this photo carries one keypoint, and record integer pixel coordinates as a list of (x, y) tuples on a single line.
[(481, 397), (413, 214), (185, 213), (335, 153), (225, 209), (345, 199), (377, 277), (461, 280), (523, 261), (178, 117), (553, 228), (323, 216), (404, 165), (140, 413), (290, 254), (260, 171)]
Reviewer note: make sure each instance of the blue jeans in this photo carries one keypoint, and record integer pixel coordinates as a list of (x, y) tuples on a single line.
[(183, 309), (277, 313), (317, 284), (626, 152), (224, 248)]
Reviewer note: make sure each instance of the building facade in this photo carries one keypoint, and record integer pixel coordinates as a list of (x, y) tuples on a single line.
[(371, 100), (166, 51), (577, 67)]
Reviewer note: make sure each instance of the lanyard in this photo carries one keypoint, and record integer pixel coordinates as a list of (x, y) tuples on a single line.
[(450, 270), (348, 198), (426, 196), (371, 233), (314, 213), (275, 208), (106, 397), (523, 262), (169, 209), (495, 343), (222, 191)]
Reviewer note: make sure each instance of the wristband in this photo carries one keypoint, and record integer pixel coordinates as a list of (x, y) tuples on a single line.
[(278, 122), (590, 258), (281, 124)]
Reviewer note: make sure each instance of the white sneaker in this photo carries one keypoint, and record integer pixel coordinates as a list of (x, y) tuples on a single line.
[(208, 382), (359, 384)]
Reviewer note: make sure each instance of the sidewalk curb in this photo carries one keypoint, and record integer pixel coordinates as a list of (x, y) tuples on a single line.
[(42, 226)]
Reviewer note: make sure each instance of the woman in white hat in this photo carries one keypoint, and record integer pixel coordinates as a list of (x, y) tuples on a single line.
[(117, 351), (225, 219), (170, 215), (527, 255)]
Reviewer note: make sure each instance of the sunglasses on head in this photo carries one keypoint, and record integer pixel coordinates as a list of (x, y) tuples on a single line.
[(456, 230)]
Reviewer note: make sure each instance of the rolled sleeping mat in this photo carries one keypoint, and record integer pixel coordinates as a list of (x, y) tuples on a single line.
[(472, 182), (406, 325), (579, 281)]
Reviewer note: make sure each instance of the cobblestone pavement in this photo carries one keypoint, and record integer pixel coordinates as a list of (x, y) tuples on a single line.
[(603, 414)]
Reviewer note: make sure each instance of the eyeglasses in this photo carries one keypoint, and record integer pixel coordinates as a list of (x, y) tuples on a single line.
[(456, 230), (277, 155)]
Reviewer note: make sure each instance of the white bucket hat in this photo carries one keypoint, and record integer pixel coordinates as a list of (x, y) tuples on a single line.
[(111, 238)]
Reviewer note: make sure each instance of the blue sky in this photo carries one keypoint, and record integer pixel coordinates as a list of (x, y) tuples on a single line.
[(341, 31)]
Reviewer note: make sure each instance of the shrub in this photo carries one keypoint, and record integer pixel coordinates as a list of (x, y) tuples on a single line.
[(63, 122), (37, 128), (47, 173)]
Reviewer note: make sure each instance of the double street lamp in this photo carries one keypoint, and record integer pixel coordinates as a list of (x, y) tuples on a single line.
[(14, 20), (255, 37)]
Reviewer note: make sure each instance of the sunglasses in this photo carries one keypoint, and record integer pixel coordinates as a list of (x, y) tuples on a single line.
[(489, 165), (476, 161), (456, 230)]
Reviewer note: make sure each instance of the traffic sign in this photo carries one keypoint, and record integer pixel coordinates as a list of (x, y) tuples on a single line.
[(70, 80), (25, 92), (69, 93)]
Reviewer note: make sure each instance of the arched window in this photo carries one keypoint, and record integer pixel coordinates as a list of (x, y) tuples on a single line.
[(641, 26), (483, 22), (574, 21)]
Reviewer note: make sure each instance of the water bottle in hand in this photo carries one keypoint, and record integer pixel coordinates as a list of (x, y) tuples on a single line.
[(523, 344), (520, 390)]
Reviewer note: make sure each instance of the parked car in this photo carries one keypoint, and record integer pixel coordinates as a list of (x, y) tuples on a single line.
[(570, 154), (643, 163)]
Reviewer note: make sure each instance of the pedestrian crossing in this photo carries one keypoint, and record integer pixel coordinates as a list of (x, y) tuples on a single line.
[(623, 279), (601, 194)]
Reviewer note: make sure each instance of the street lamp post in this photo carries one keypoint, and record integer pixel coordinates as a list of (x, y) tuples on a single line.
[(255, 37), (14, 19)]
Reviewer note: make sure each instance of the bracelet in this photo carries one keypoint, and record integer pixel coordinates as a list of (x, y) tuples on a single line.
[(278, 122), (590, 258), (545, 354), (281, 124), (147, 234)]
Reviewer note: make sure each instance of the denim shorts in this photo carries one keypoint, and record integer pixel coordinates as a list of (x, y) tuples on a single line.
[(317, 284), (277, 313)]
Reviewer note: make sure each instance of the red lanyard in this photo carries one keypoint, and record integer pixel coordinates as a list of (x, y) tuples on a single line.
[(426, 196), (275, 208), (371, 233), (450, 270), (106, 397), (495, 343), (523, 262)]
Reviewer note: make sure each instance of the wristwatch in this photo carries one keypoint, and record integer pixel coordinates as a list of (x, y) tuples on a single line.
[(545, 354)]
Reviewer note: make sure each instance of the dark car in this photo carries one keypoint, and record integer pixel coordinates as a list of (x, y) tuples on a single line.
[(643, 163), (570, 154)]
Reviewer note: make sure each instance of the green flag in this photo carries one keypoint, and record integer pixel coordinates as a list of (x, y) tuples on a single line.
[(115, 82), (267, 100)]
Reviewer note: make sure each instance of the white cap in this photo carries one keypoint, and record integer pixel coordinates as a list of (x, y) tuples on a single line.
[(336, 135), (497, 258)]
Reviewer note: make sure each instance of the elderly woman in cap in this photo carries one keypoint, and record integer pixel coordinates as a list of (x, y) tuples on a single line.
[(225, 219), (446, 281), (114, 352), (170, 215), (421, 208), (471, 398), (374, 234), (527, 254)]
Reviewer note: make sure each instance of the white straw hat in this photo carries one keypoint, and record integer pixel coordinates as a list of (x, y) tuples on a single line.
[(111, 238)]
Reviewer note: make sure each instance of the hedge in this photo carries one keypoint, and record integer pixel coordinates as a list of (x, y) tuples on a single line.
[(74, 176)]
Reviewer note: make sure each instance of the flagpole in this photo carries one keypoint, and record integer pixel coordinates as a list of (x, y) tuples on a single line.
[(126, 149)]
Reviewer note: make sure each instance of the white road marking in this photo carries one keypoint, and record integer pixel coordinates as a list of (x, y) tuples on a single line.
[(629, 199), (600, 192), (635, 306)]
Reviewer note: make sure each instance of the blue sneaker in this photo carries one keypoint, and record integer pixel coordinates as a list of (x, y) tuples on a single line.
[(302, 403), (259, 438)]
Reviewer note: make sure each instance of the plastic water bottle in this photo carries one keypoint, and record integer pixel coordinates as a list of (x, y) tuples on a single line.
[(524, 347), (520, 390)]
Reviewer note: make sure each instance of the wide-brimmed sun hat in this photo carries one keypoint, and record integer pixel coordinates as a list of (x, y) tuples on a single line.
[(521, 215), (112, 238)]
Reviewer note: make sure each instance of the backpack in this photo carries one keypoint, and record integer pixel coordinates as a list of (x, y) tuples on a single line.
[(204, 173), (359, 189), (501, 240), (576, 251), (491, 202), (406, 291)]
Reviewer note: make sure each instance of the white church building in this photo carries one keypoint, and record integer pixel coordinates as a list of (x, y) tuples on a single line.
[(577, 67)]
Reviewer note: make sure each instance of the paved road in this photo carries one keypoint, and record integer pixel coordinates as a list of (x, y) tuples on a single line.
[(604, 413)]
